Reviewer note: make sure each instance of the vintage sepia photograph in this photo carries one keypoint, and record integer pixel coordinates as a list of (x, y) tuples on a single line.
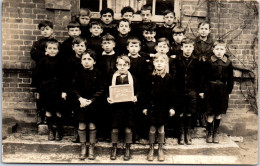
[(130, 82)]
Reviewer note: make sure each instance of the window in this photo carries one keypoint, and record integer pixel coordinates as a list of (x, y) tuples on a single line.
[(158, 6)]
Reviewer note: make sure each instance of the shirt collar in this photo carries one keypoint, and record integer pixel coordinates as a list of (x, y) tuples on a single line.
[(138, 55), (168, 26), (214, 58), (111, 53), (208, 41)]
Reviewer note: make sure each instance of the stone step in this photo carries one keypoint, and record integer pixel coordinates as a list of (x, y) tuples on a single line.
[(33, 148)]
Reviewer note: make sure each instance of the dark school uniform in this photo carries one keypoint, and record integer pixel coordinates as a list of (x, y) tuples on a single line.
[(94, 43), (165, 31), (50, 83), (85, 33), (66, 49), (175, 49), (121, 43), (123, 113), (109, 28), (87, 84), (219, 84), (187, 78), (138, 28), (159, 98), (203, 48)]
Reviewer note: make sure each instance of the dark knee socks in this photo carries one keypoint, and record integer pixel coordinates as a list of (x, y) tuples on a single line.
[(92, 136)]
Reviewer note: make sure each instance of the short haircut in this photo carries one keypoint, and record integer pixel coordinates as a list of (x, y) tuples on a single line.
[(124, 58), (123, 20), (127, 9), (45, 23), (163, 39), (204, 23), (108, 37), (91, 53), (52, 41), (167, 11), (162, 55), (106, 10), (149, 27), (84, 12), (134, 40), (178, 29), (78, 40), (147, 7), (219, 43), (187, 41), (95, 23), (73, 24)]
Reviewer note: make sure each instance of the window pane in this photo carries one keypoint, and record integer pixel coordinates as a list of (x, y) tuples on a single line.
[(92, 5), (162, 5)]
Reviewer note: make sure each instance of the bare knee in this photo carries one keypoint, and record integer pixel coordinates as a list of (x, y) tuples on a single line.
[(152, 129), (82, 126), (128, 130), (161, 129), (92, 126)]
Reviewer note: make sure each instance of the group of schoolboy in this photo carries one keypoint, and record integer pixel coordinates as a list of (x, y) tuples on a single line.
[(168, 71)]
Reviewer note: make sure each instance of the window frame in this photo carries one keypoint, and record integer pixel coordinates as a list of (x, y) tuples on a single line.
[(137, 17)]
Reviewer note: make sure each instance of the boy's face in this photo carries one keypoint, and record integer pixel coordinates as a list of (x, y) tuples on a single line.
[(162, 48), (159, 63), (128, 15), (122, 66), (79, 48), (96, 30), (219, 51), (149, 35), (108, 46), (187, 49), (133, 48), (107, 18), (169, 18), (123, 28), (87, 61), (204, 30), (177, 37), (146, 15), (52, 49), (46, 31), (74, 32), (84, 20)]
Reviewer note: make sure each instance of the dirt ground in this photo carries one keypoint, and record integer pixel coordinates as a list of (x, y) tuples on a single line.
[(249, 150)]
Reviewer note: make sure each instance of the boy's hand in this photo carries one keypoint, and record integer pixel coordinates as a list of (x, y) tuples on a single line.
[(83, 102), (201, 95), (37, 95), (145, 111), (64, 95), (172, 112), (152, 55), (135, 99), (109, 100)]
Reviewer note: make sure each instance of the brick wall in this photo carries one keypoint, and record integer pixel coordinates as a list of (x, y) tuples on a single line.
[(19, 29)]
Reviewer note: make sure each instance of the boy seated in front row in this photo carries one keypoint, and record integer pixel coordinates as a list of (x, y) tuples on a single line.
[(219, 82), (94, 41), (107, 66), (70, 67), (178, 35), (37, 53), (50, 89), (107, 17), (87, 88), (185, 70), (169, 24), (122, 113), (123, 28)]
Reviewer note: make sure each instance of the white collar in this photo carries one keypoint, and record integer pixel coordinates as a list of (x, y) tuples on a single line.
[(138, 55), (111, 53)]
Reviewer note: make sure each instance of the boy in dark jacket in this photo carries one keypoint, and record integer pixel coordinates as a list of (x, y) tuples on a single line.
[(107, 17), (159, 103), (94, 41), (84, 20), (219, 84), (49, 89), (38, 52), (123, 28), (87, 87), (178, 34), (166, 29), (185, 69), (122, 113)]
